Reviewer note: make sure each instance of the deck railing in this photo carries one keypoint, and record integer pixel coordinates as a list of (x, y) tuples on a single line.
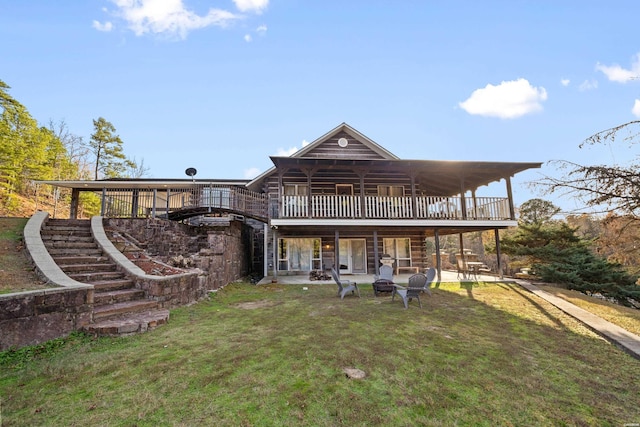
[(203, 198), (388, 207)]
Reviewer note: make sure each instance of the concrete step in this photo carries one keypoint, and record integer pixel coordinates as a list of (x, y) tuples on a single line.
[(78, 259), (120, 295), (90, 277), (55, 252), (69, 222), (88, 268), (49, 238), (65, 244), (110, 311), (111, 285), (131, 324)]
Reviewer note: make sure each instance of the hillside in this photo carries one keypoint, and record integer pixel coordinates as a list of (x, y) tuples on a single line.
[(16, 271), (19, 206)]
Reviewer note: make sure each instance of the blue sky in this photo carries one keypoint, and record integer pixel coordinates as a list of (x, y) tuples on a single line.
[(221, 85)]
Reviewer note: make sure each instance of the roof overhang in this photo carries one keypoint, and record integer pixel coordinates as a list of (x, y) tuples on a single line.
[(437, 177), (147, 184)]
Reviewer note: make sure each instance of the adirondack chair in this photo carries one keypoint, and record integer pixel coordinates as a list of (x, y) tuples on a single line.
[(418, 283), (344, 286), (383, 281)]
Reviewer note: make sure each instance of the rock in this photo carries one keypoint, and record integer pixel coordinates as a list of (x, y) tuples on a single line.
[(354, 373)]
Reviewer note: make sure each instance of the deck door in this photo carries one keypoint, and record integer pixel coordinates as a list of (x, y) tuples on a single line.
[(353, 256)]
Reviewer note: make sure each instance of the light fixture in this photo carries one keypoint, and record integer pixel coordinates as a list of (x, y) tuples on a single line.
[(191, 172)]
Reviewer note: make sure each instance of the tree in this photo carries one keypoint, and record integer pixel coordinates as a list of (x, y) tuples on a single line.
[(19, 134), (536, 211), (610, 188), (135, 169), (106, 146), (618, 241), (558, 254), (76, 150)]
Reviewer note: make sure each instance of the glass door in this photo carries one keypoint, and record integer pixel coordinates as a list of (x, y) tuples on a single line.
[(353, 256)]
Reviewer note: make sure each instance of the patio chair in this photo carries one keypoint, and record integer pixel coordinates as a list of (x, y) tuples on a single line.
[(383, 281), (344, 286), (418, 283), (465, 270)]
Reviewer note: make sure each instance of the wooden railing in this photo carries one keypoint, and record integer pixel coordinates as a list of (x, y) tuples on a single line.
[(387, 207)]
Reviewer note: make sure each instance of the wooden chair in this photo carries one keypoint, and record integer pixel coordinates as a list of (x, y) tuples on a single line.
[(344, 286), (418, 283)]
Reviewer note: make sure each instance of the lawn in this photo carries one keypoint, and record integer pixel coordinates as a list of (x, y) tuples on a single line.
[(485, 354)]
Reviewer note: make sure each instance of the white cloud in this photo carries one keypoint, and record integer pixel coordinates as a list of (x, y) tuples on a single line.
[(168, 17), (565, 82), (261, 30), (106, 27), (508, 100), (618, 74), (251, 173), (636, 108), (287, 152), (255, 6), (248, 38), (588, 85)]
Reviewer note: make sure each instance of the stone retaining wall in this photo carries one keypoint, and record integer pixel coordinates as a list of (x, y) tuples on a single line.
[(220, 252), (29, 318)]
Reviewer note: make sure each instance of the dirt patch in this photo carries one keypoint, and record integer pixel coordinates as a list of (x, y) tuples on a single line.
[(150, 265), (16, 272), (252, 305)]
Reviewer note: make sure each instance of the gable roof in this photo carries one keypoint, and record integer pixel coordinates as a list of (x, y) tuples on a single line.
[(379, 150), (368, 149)]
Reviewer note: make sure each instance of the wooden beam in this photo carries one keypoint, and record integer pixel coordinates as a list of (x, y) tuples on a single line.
[(512, 210), (499, 265), (436, 236)]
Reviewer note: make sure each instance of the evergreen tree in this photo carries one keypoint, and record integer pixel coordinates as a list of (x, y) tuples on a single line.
[(106, 146), (558, 255)]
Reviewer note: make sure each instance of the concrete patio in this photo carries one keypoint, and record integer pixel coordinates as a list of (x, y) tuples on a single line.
[(447, 276)]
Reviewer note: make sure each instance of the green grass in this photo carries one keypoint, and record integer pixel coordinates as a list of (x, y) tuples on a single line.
[(482, 355)]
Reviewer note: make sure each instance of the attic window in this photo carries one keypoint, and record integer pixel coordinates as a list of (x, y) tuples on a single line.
[(343, 142)]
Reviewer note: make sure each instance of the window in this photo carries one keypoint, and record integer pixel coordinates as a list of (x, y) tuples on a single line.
[(295, 189), (299, 254), (344, 189), (400, 249), (391, 190)]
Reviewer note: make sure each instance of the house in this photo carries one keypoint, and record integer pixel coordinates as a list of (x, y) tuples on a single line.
[(343, 200)]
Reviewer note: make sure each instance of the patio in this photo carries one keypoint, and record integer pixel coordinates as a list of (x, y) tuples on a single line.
[(364, 279)]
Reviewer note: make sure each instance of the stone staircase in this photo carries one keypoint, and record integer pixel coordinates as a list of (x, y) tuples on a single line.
[(119, 307)]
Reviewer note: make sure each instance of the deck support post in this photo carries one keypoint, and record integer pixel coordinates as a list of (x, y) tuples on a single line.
[(376, 255), (512, 211), (155, 200), (275, 255), (436, 236), (499, 265), (75, 199), (104, 201), (337, 252)]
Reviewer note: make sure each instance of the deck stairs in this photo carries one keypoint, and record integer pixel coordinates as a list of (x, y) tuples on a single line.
[(119, 307)]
